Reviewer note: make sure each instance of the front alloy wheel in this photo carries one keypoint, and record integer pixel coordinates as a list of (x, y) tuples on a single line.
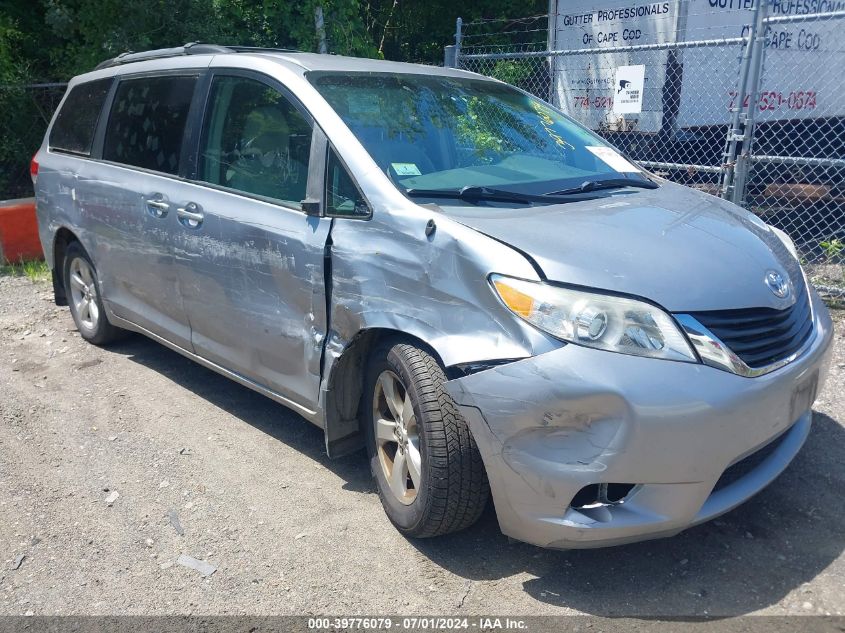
[(397, 437), (427, 467)]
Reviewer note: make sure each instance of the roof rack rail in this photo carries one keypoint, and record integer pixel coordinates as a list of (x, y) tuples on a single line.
[(261, 49), (192, 48)]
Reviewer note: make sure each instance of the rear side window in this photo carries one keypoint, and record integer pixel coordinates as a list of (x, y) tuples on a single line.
[(73, 130), (147, 122)]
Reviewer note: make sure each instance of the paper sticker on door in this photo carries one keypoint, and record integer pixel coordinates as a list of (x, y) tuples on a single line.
[(628, 89), (406, 169), (612, 158)]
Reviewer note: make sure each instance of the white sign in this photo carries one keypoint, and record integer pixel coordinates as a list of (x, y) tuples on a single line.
[(584, 84), (628, 89), (801, 76), (802, 71)]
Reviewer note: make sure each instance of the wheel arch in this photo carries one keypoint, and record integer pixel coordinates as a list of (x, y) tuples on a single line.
[(61, 240), (343, 388)]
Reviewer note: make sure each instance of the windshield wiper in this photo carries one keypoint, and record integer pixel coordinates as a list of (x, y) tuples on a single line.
[(609, 183), (473, 192)]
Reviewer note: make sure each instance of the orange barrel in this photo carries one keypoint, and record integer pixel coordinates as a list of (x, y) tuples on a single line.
[(19, 231)]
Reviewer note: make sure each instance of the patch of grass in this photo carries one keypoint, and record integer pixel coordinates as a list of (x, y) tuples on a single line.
[(833, 248), (33, 269)]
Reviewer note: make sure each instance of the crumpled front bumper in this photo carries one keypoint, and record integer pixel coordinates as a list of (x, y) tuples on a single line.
[(549, 425)]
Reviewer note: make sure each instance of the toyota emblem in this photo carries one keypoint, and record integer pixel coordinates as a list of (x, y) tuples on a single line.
[(777, 284)]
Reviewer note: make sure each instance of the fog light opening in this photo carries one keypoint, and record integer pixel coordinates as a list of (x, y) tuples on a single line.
[(600, 495), (587, 497), (616, 493)]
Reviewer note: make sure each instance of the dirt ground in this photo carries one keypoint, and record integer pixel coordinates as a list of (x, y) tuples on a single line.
[(291, 532)]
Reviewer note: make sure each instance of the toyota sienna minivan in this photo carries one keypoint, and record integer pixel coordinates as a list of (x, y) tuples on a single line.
[(445, 270)]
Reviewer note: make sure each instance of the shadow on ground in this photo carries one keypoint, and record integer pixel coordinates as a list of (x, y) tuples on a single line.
[(747, 560), (256, 410)]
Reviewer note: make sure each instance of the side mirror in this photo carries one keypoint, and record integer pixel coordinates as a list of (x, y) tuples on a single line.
[(311, 207)]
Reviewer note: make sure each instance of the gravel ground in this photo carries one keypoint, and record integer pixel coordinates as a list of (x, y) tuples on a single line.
[(290, 532)]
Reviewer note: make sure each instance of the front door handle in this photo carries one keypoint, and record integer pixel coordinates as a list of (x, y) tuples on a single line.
[(190, 215), (157, 205)]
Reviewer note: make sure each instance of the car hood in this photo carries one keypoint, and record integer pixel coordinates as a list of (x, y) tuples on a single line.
[(686, 250)]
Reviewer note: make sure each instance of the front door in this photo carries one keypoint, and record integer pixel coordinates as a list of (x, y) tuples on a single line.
[(251, 262)]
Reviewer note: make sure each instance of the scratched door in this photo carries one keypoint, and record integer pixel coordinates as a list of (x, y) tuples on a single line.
[(127, 202), (250, 260)]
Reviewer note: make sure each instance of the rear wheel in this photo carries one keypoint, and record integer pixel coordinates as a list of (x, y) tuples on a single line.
[(429, 473), (86, 305)]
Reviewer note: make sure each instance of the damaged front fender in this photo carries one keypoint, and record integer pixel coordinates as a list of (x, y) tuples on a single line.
[(391, 275)]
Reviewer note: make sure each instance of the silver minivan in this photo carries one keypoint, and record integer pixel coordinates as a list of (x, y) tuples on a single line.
[(445, 270)]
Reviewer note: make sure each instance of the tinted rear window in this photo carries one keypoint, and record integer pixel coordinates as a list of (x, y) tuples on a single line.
[(74, 128), (147, 122)]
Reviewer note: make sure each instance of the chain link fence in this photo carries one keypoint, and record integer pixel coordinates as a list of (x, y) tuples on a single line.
[(796, 176), (27, 110), (741, 99)]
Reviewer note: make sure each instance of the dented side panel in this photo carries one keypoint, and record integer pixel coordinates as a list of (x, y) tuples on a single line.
[(388, 274), (131, 248), (252, 280)]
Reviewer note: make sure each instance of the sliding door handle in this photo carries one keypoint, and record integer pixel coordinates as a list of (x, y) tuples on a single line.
[(190, 215), (157, 205)]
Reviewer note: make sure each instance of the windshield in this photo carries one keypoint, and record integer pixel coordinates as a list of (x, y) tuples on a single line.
[(431, 133)]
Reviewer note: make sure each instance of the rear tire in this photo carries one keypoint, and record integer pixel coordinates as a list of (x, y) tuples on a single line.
[(82, 289), (427, 467)]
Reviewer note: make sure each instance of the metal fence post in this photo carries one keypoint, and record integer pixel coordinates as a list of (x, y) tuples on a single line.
[(459, 36), (451, 52), (320, 28), (755, 75), (738, 118), (551, 44)]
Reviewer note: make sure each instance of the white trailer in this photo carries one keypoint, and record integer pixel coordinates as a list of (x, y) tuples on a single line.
[(702, 79)]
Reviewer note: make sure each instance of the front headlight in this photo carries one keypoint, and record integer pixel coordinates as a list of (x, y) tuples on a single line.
[(602, 321)]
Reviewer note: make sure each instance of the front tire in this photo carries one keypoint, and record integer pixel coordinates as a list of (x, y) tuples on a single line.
[(427, 467), (82, 288)]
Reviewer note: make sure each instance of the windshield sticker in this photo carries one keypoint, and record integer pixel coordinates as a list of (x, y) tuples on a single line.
[(406, 169), (612, 158)]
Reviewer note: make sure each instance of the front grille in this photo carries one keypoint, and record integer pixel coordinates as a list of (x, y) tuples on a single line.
[(762, 336)]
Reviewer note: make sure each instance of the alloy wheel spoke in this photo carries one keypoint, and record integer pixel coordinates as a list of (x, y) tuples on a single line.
[(399, 474), (388, 386), (76, 282), (414, 461), (407, 411), (93, 311), (82, 309), (384, 430), (85, 273)]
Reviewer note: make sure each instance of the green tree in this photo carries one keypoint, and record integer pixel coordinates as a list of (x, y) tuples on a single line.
[(53, 40), (417, 31)]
